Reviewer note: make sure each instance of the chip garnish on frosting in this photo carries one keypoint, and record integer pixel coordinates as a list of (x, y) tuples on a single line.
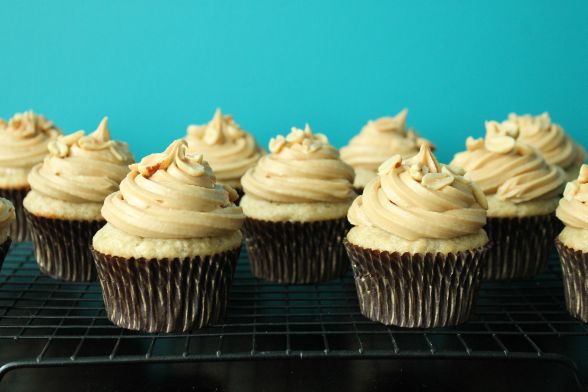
[(302, 167), (173, 195), (511, 170), (573, 207), (82, 168), (419, 198)]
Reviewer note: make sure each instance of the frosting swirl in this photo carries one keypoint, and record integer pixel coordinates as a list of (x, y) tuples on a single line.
[(379, 139), (229, 150), (419, 198), (173, 194), (507, 168), (7, 214), (23, 142), (301, 168), (80, 168), (549, 138), (573, 208)]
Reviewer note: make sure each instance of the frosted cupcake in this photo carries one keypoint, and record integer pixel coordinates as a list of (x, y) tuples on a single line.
[(229, 149), (523, 191), (67, 192), (7, 218), (23, 144), (550, 139), (167, 255), (418, 246), (379, 140), (572, 244), (296, 201)]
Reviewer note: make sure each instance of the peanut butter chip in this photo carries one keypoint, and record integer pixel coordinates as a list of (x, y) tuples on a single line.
[(417, 171), (295, 136), (212, 135), (58, 148), (389, 165), (474, 144), (437, 181), (500, 144), (276, 144)]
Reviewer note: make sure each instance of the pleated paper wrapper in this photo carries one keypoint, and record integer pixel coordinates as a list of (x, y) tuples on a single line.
[(4, 250), (574, 265), (18, 231)]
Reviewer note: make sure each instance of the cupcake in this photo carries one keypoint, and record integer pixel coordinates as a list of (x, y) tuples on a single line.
[(379, 140), (229, 149), (523, 191), (296, 201), (7, 218), (572, 244), (418, 246), (167, 254), (23, 144), (67, 192), (550, 139)]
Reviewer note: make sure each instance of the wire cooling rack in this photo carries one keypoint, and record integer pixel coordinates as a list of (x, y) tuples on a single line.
[(44, 322)]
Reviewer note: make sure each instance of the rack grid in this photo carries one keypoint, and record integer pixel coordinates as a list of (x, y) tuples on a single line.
[(44, 322)]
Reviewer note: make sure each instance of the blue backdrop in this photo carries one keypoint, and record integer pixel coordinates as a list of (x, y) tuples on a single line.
[(155, 66)]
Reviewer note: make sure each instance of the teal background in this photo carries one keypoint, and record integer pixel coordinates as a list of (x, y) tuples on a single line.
[(155, 66)]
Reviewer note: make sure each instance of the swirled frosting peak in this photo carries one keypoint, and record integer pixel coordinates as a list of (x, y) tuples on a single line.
[(229, 150), (504, 166), (381, 138), (573, 208), (7, 214), (549, 138), (302, 167), (23, 141), (173, 195), (420, 198), (82, 168)]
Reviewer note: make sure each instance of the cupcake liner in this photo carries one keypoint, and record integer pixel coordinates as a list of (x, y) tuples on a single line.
[(521, 246), (416, 290), (297, 252), (4, 250), (574, 265), (18, 231), (166, 295), (62, 247)]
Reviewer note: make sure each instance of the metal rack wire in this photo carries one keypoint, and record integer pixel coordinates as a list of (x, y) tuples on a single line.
[(44, 322)]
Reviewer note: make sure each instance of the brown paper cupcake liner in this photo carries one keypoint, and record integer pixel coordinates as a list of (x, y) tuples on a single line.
[(297, 252), (521, 246), (166, 295), (574, 264), (18, 231), (416, 290), (62, 247), (4, 250)]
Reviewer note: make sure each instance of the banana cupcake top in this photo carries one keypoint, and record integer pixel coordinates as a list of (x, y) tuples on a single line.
[(173, 195), (378, 140), (301, 168), (573, 208), (229, 149), (508, 170), (549, 138), (419, 198), (7, 217), (23, 144), (82, 168)]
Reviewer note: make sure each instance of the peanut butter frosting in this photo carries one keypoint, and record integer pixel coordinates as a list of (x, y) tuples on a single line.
[(301, 168), (508, 168), (229, 150), (82, 168), (379, 140), (420, 198), (573, 208), (549, 138), (7, 214), (23, 142), (173, 195)]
